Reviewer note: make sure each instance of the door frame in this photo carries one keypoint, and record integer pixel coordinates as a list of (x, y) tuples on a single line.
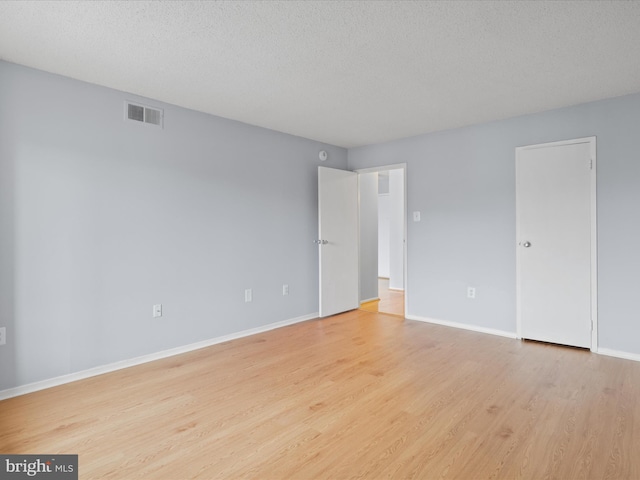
[(386, 168), (593, 231)]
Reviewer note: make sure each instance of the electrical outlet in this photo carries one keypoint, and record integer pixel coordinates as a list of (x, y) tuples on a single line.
[(3, 335), (471, 292), (157, 310), (285, 289), (248, 295)]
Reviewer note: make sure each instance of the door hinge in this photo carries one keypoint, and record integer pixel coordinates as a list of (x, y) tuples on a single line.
[(591, 164)]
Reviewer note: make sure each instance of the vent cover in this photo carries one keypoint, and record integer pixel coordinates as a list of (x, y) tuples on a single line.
[(141, 113)]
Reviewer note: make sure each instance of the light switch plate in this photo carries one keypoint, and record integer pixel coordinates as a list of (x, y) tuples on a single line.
[(416, 216)]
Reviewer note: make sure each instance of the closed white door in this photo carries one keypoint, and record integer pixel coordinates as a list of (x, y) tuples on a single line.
[(338, 240), (556, 241)]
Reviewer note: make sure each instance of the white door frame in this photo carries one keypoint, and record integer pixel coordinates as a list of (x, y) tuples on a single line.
[(594, 238), (386, 168)]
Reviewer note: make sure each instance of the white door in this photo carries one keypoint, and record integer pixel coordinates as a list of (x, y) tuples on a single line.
[(555, 209), (338, 240)]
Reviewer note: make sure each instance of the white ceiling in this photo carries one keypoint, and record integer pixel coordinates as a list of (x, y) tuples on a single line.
[(347, 73)]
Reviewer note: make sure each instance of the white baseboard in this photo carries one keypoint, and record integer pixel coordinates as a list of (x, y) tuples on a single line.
[(92, 372), (369, 300), (619, 354), (112, 367), (464, 326), (502, 333)]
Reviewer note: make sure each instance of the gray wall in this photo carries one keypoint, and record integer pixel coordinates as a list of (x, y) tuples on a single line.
[(102, 218), (384, 219), (396, 229), (463, 182), (368, 212)]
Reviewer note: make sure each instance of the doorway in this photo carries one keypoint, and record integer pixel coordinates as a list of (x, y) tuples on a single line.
[(389, 301), (382, 212)]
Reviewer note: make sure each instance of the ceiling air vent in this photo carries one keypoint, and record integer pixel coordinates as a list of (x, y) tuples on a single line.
[(141, 113)]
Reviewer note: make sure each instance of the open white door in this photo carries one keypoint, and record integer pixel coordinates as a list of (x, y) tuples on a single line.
[(556, 242), (338, 240)]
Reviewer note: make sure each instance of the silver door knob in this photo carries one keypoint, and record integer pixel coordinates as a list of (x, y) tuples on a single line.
[(526, 244)]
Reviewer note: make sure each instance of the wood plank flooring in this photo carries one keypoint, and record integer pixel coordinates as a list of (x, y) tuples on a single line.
[(358, 395)]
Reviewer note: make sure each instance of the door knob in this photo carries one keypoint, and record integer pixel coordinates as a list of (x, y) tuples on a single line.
[(526, 244)]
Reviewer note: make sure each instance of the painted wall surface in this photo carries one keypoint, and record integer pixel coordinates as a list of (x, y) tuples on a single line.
[(101, 218), (383, 182), (463, 182), (383, 235), (368, 190), (396, 229)]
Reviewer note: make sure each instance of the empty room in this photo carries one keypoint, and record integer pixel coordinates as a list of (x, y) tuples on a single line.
[(208, 207)]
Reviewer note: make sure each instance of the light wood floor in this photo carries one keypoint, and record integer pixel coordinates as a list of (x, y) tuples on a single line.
[(390, 301), (358, 395)]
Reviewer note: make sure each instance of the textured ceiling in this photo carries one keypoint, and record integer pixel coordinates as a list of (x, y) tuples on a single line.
[(347, 73)]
